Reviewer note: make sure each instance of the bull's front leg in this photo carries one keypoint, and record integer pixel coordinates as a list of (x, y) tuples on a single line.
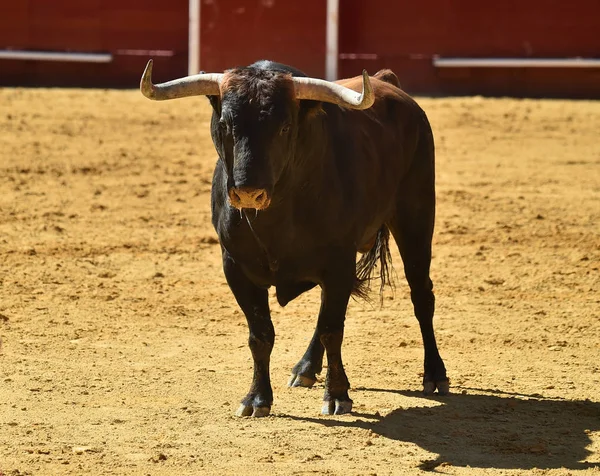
[(336, 291), (254, 302)]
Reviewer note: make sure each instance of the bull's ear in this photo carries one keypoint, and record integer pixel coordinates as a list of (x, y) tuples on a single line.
[(215, 102), (310, 109)]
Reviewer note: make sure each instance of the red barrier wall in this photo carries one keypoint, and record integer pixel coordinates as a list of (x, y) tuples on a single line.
[(374, 34)]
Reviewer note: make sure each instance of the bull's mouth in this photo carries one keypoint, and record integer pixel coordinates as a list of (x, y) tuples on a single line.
[(248, 197)]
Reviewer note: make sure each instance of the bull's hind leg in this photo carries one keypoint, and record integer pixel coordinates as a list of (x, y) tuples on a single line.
[(328, 338), (413, 235), (255, 304), (412, 228), (304, 373)]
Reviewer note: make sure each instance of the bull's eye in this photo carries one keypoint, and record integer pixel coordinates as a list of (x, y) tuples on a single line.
[(224, 125), (284, 129)]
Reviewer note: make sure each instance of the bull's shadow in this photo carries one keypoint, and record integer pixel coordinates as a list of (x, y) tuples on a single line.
[(490, 431)]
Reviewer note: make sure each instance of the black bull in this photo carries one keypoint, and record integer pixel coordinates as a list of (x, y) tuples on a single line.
[(299, 188)]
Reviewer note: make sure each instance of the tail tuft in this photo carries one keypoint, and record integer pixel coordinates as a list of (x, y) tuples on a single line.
[(365, 268)]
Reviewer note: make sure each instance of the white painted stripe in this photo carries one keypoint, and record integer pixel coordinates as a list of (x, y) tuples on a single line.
[(516, 62), (56, 56), (151, 53)]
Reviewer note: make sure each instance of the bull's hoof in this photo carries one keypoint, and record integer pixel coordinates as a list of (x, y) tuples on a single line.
[(442, 386), (301, 381), (336, 407), (249, 410)]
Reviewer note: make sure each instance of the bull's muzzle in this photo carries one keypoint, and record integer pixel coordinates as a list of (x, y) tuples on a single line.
[(248, 197)]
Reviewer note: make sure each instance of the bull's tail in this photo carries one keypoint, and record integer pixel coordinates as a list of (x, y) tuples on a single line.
[(380, 255)]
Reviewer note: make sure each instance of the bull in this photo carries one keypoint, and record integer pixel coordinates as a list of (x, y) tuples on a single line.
[(310, 173)]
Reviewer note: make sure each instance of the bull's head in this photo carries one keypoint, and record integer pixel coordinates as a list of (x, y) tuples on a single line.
[(255, 120)]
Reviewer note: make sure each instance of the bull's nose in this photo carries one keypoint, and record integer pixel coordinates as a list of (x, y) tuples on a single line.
[(247, 197)]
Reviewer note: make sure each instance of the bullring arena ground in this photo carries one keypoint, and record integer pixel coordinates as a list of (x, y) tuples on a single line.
[(123, 351)]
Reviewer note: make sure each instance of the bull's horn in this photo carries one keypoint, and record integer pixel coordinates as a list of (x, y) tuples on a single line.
[(196, 85), (326, 91)]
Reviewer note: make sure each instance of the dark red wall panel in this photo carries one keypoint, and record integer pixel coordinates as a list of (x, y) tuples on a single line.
[(14, 24), (239, 32), (125, 28), (156, 25), (471, 27), (74, 26)]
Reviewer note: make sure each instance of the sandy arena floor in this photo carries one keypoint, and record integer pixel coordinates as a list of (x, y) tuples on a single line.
[(123, 351)]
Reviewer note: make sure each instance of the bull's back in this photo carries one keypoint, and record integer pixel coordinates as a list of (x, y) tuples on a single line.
[(376, 148)]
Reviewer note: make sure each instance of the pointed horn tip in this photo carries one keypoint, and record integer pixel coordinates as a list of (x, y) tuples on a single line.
[(146, 86), (366, 78), (368, 96)]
